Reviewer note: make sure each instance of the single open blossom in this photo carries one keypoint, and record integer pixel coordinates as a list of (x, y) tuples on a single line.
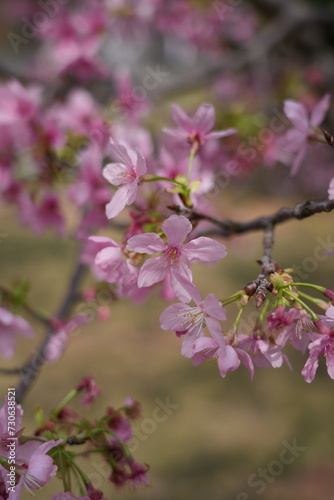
[(297, 139), (321, 345), (190, 321), (195, 130), (10, 326), (294, 325), (112, 263), (261, 351), (125, 173), (227, 357), (175, 257), (33, 465)]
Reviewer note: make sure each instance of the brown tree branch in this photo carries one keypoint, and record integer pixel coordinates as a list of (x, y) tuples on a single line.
[(32, 367), (229, 227)]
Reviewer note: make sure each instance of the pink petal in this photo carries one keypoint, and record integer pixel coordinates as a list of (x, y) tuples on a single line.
[(188, 340), (298, 160), (331, 190), (204, 119), (221, 133), (115, 173), (330, 361), (181, 282), (247, 361), (293, 140), (310, 367), (296, 112), (213, 307), (204, 348), (176, 228), (7, 343), (215, 329), (149, 243), (132, 191), (103, 239), (120, 153), (179, 134), (181, 118), (22, 326), (229, 361), (152, 271), (204, 250), (108, 256), (330, 312), (141, 164), (118, 201), (41, 466), (320, 110), (173, 318), (6, 317)]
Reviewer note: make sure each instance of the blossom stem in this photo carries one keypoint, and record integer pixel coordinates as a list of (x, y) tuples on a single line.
[(232, 298), (302, 303), (64, 402), (318, 302), (190, 165), (319, 289), (236, 322), (65, 472), (264, 311), (75, 467), (152, 178)]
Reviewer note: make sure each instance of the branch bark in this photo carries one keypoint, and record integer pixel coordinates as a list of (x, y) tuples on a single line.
[(30, 370), (229, 227)]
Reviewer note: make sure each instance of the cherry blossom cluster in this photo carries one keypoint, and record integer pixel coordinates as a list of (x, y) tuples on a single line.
[(50, 450)]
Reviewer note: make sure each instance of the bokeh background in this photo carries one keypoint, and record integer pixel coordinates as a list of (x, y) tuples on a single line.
[(220, 431)]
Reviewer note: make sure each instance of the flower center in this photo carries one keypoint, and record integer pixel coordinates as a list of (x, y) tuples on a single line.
[(123, 175), (193, 318), (173, 255)]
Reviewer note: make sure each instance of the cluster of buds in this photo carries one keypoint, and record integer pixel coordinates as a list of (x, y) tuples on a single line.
[(34, 464)]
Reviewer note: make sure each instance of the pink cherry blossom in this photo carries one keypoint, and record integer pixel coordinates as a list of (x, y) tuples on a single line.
[(174, 257), (11, 326), (321, 345), (113, 264), (126, 174), (226, 355), (192, 320), (195, 130), (261, 351), (296, 140), (294, 326), (18, 103), (34, 465)]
